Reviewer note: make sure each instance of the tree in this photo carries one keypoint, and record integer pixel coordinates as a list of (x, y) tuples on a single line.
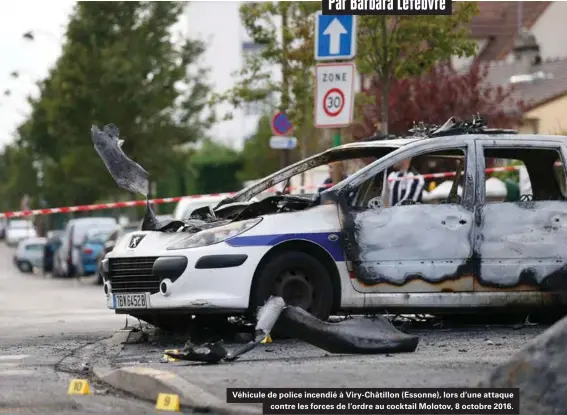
[(396, 47), (437, 95), (120, 64), (19, 177), (215, 168), (258, 159), (289, 48)]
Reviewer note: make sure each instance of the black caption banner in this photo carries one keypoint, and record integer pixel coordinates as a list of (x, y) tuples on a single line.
[(387, 7), (380, 401)]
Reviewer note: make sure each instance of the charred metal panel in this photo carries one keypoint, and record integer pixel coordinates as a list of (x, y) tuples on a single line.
[(427, 243), (459, 284), (524, 244), (467, 300)]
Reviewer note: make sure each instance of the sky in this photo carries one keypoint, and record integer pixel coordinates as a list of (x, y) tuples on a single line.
[(48, 20)]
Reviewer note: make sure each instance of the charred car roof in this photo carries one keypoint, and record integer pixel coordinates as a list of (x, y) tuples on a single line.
[(452, 130)]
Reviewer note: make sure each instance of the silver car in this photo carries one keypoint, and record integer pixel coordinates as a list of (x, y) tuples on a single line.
[(29, 254)]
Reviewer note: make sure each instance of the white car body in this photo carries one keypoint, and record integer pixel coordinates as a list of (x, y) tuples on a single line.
[(201, 289), (19, 230), (29, 254)]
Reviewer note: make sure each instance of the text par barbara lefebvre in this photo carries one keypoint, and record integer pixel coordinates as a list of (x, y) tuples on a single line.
[(387, 7)]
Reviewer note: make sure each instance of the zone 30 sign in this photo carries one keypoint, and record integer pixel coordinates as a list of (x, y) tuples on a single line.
[(334, 95)]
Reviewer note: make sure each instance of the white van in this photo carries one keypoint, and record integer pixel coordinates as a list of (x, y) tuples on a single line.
[(67, 261)]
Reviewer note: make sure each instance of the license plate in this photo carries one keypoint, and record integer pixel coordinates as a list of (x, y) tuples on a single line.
[(131, 300)]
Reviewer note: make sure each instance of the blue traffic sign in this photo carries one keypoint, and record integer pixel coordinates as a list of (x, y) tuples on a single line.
[(281, 125), (335, 37)]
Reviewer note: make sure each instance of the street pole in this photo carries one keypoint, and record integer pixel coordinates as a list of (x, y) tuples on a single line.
[(336, 137), (284, 104)]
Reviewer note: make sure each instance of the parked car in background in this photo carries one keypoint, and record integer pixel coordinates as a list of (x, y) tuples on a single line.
[(29, 254), (3, 226), (92, 247), (51, 247), (18, 230), (67, 260), (111, 241)]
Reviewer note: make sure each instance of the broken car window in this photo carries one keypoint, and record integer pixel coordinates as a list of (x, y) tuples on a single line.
[(431, 178), (523, 174), (322, 177)]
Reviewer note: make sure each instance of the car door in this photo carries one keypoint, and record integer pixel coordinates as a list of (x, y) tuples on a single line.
[(36, 254), (522, 243), (423, 247)]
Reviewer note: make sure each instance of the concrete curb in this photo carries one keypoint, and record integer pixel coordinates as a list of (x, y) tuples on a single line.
[(146, 383)]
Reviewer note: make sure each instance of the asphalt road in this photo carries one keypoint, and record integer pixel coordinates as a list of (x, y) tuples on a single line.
[(43, 320)]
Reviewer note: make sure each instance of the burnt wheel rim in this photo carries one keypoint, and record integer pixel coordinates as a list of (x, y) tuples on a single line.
[(296, 288)]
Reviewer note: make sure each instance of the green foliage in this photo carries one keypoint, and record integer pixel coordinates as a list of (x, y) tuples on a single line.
[(396, 47), (19, 177), (119, 65), (291, 49), (215, 168), (259, 160)]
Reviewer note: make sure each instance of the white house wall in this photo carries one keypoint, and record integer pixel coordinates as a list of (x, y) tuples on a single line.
[(219, 25), (550, 31)]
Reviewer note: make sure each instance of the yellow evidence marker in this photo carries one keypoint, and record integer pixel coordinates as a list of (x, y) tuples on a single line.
[(167, 402), (169, 358), (268, 339), (78, 387)]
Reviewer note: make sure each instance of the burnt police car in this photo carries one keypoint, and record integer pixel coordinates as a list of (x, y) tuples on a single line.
[(348, 248)]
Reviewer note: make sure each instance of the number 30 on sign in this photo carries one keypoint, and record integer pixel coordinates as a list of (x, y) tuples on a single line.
[(334, 94)]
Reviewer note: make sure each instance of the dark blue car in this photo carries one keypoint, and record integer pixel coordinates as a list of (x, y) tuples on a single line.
[(92, 247)]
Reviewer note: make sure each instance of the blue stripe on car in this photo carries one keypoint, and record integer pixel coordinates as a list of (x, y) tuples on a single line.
[(333, 247)]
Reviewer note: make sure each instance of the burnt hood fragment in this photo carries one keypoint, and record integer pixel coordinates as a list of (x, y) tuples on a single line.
[(128, 174), (352, 336)]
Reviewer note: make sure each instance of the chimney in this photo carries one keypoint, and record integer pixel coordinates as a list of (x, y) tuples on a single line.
[(526, 50)]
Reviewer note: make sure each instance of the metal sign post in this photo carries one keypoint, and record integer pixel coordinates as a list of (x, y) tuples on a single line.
[(335, 39)]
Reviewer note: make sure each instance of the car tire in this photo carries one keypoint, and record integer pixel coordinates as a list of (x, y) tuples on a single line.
[(25, 267), (300, 279)]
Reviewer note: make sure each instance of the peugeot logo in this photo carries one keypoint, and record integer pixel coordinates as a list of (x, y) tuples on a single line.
[(135, 241)]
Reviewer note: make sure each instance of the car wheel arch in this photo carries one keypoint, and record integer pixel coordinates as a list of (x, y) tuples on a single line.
[(308, 247)]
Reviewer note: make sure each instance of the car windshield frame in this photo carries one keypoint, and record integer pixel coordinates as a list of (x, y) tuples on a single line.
[(378, 149)]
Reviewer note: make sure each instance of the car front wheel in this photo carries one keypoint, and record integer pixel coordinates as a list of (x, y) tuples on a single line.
[(300, 279), (25, 267)]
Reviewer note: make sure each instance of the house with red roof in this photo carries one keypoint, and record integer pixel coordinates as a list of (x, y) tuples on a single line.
[(525, 44)]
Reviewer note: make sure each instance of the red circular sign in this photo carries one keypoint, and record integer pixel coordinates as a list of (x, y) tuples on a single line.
[(333, 102)]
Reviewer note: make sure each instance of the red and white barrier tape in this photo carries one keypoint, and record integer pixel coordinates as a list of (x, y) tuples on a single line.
[(100, 206), (132, 203)]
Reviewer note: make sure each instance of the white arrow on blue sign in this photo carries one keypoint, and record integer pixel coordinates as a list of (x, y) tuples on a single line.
[(283, 143), (335, 37)]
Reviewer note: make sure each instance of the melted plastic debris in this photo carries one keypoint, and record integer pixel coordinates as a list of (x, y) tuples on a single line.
[(353, 336)]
